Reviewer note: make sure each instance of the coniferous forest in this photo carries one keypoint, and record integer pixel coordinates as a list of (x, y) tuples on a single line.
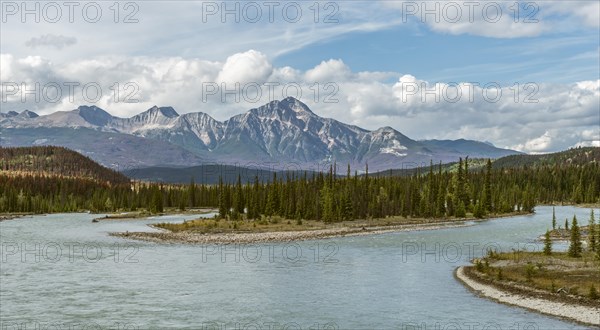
[(60, 180)]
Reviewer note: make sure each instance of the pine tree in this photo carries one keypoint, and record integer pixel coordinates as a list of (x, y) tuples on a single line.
[(553, 218), (598, 240), (592, 233), (223, 209), (239, 197), (327, 204), (460, 210), (575, 247), (192, 193), (157, 202), (479, 210), (566, 224), (547, 243), (487, 190)]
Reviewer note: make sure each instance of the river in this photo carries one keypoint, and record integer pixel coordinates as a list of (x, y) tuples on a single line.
[(62, 271)]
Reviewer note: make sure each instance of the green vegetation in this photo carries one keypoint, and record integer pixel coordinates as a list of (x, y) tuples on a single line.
[(577, 157), (575, 247), (592, 232), (572, 157), (55, 161), (547, 244), (558, 275), (277, 224), (325, 197)]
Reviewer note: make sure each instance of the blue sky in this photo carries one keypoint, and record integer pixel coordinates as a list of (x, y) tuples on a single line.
[(372, 52), (439, 57)]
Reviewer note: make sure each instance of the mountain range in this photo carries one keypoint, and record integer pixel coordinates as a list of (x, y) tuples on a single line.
[(279, 135)]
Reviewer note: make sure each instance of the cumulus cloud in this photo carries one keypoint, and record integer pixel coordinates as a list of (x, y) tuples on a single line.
[(538, 144), (531, 118), (247, 67), (51, 40), (332, 70)]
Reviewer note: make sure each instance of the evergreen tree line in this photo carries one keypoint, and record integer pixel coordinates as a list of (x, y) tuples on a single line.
[(60, 161), (575, 237), (322, 196)]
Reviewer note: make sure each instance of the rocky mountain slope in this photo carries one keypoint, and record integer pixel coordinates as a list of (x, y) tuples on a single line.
[(279, 134)]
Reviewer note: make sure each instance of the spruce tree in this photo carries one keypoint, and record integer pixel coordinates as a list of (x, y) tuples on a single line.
[(460, 210), (487, 189), (192, 193), (575, 247), (598, 240), (223, 210), (239, 197), (547, 243), (553, 218), (592, 233)]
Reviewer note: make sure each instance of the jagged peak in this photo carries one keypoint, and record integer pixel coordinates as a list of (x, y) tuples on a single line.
[(386, 129), (201, 117), (280, 107), (168, 112), (94, 115), (296, 105), (89, 108), (27, 114)]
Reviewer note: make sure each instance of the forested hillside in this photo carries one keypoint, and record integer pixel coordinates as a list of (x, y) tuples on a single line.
[(324, 196), (572, 157), (55, 161)]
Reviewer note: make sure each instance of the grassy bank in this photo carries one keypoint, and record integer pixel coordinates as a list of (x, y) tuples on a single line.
[(556, 277), (278, 224), (146, 214)]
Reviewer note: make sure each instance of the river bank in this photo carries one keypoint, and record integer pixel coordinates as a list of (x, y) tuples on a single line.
[(278, 236), (11, 216), (287, 233), (136, 215), (529, 299)]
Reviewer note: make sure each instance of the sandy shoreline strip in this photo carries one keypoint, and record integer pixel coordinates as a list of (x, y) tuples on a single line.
[(582, 314), (279, 236)]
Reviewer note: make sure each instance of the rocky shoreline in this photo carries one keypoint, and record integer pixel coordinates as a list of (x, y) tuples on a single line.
[(279, 236), (10, 217), (579, 313)]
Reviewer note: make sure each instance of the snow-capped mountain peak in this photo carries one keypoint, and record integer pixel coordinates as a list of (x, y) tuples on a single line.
[(285, 131)]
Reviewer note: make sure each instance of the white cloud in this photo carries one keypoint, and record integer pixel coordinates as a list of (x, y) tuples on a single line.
[(535, 145), (559, 115), (243, 68), (331, 70), (51, 40)]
